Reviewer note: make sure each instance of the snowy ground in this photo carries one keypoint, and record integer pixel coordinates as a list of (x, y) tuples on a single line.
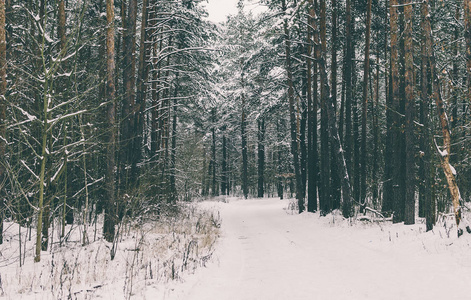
[(149, 255), (267, 252)]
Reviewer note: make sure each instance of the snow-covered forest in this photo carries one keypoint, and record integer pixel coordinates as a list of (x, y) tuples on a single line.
[(121, 119)]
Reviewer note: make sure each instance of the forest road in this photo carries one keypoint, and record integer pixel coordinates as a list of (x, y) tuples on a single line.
[(268, 253)]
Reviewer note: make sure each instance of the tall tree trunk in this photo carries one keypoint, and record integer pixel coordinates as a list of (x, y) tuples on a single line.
[(325, 199), (388, 190), (173, 195), (164, 125), (302, 133), (110, 208), (143, 72), (279, 164), (292, 113), (375, 131), (3, 90), (261, 157), (61, 30), (445, 152), (214, 190), (128, 170), (395, 103), (426, 197), (155, 115), (348, 87), (42, 175), (409, 211), (224, 188), (335, 180), (364, 111), (455, 80), (347, 203), (467, 35), (243, 126), (312, 120)]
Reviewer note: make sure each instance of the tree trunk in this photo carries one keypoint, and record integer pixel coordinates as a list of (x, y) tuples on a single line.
[(302, 134), (173, 196), (348, 141), (143, 72), (455, 76), (335, 180), (325, 199), (467, 35), (128, 170), (388, 190), (395, 100), (224, 188), (261, 157), (61, 31), (110, 208), (445, 152), (364, 111), (155, 115), (292, 113), (426, 197), (164, 126), (312, 120), (347, 207), (213, 155), (279, 165), (243, 126), (42, 174), (409, 211), (375, 133)]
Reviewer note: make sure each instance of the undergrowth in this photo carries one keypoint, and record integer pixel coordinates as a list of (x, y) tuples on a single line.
[(150, 252)]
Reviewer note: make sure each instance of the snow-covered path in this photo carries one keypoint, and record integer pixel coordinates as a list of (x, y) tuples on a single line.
[(269, 253)]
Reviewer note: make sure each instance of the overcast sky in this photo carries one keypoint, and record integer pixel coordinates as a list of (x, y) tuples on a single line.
[(220, 9)]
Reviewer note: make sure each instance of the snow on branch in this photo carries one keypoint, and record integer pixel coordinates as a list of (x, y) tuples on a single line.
[(29, 169), (29, 118), (60, 118)]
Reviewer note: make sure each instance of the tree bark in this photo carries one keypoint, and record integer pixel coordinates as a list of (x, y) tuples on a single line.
[(375, 133), (243, 126), (155, 114), (224, 188), (312, 119), (292, 113), (302, 132), (143, 72), (409, 210), (388, 187), (364, 111), (347, 203), (261, 157), (348, 141), (335, 180), (214, 190), (128, 170), (325, 199), (426, 197), (467, 35), (110, 208), (448, 170), (395, 109), (279, 165)]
